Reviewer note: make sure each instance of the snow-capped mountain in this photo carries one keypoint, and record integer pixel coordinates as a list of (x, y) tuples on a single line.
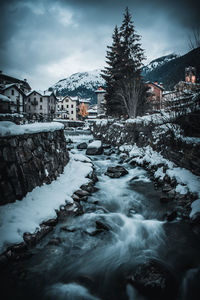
[(157, 63), (81, 84)]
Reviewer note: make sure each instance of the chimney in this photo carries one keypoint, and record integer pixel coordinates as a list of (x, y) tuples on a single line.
[(25, 80)]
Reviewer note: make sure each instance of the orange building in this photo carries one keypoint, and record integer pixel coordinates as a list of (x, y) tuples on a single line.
[(155, 94)]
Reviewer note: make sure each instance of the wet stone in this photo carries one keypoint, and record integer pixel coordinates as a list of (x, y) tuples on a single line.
[(116, 172), (82, 146), (81, 193)]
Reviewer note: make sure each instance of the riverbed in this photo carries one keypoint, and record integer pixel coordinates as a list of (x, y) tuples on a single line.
[(90, 264)]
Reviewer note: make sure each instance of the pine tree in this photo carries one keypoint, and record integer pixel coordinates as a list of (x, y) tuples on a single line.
[(111, 75), (124, 86)]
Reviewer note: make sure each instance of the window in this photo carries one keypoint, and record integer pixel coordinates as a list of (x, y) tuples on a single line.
[(72, 112), (34, 93), (13, 92), (40, 106), (34, 98), (67, 106), (72, 106), (62, 107), (29, 108), (29, 99), (40, 99)]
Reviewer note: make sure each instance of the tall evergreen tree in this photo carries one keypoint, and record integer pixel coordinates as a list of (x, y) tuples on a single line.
[(124, 86), (111, 75)]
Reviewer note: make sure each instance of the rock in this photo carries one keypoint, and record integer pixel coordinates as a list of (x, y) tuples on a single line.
[(55, 241), (106, 146), (170, 216), (116, 172), (33, 239), (164, 199), (81, 193), (69, 141), (102, 226), (50, 222), (89, 188), (82, 146), (94, 148), (75, 198), (154, 280), (68, 229), (166, 188), (92, 176), (171, 193), (195, 219), (3, 261), (18, 248)]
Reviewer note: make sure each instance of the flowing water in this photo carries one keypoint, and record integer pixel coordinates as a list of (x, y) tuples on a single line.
[(88, 266)]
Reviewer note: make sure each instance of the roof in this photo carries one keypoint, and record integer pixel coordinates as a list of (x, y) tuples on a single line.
[(156, 85), (10, 79), (12, 85), (4, 98), (41, 93), (85, 100)]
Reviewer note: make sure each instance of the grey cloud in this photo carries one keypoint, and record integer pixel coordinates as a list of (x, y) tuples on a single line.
[(45, 39)]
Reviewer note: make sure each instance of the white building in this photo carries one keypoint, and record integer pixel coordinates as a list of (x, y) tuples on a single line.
[(16, 95), (66, 108), (41, 104)]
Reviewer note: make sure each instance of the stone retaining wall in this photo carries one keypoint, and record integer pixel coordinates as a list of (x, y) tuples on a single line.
[(172, 148), (29, 160)]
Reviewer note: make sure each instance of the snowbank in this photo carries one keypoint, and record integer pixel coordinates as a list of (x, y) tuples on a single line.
[(186, 180), (40, 204), (95, 144), (9, 128)]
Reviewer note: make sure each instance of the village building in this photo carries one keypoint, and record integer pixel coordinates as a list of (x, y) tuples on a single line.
[(66, 108), (16, 95), (22, 84), (40, 105), (100, 92), (5, 103), (155, 95), (92, 112)]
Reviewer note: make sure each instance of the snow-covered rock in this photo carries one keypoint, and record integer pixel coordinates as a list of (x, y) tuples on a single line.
[(94, 148)]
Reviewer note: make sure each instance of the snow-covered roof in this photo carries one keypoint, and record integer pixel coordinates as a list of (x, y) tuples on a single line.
[(40, 92), (75, 98), (4, 98), (85, 100), (9, 128)]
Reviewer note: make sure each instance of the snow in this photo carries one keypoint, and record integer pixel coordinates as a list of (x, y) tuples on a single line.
[(82, 158), (186, 180), (91, 80), (4, 98), (95, 144), (8, 128), (195, 208), (40, 204)]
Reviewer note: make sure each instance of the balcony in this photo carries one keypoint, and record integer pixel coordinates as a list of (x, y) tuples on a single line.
[(34, 103)]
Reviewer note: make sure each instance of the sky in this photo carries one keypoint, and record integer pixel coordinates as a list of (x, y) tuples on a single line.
[(48, 40)]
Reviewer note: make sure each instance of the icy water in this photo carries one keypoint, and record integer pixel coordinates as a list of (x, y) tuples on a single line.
[(88, 266)]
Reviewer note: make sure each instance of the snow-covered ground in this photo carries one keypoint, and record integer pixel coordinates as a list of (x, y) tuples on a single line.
[(9, 128), (187, 181), (40, 204)]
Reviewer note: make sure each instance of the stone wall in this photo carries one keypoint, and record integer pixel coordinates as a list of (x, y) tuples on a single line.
[(29, 160), (183, 154)]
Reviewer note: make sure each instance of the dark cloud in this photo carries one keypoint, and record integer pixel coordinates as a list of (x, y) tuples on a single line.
[(45, 40)]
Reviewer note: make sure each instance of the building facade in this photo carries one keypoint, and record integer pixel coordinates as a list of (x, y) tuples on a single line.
[(155, 95), (17, 97), (100, 92), (40, 105), (66, 108)]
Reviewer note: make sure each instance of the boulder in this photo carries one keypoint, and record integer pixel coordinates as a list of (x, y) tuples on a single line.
[(82, 146), (101, 226), (81, 193), (94, 148), (171, 216), (116, 172), (154, 280), (195, 219)]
